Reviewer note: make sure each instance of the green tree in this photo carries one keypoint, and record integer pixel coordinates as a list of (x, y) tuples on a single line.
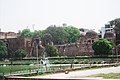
[(26, 33), (37, 34), (73, 32), (102, 47), (51, 50), (20, 53), (3, 50), (59, 35)]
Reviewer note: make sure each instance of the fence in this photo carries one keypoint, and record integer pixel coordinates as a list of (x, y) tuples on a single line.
[(53, 68)]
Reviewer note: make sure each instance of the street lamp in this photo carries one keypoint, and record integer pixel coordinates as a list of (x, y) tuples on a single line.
[(37, 43)]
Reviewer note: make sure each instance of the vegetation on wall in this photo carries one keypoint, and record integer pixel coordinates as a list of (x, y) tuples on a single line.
[(51, 50), (3, 50)]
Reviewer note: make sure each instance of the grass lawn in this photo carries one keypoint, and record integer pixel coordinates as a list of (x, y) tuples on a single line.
[(108, 76)]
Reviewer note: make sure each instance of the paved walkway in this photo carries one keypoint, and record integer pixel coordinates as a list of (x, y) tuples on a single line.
[(82, 73)]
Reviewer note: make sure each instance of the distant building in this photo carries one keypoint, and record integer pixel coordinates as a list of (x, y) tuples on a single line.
[(107, 28), (6, 35)]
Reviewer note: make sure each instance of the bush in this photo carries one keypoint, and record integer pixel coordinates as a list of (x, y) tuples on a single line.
[(102, 47)]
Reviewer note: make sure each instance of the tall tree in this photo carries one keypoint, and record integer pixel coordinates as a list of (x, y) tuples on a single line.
[(3, 50), (116, 24), (59, 35), (102, 47), (73, 32), (47, 39)]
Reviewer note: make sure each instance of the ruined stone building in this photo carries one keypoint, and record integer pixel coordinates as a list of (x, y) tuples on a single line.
[(14, 42), (83, 47), (34, 47)]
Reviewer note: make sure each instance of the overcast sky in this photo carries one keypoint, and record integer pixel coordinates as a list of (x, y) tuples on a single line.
[(92, 14)]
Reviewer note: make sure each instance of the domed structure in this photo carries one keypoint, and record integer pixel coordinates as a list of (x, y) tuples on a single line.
[(82, 35), (109, 34), (91, 34)]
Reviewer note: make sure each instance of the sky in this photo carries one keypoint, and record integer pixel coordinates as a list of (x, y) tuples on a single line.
[(17, 15)]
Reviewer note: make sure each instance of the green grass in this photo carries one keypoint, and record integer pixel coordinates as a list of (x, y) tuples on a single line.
[(8, 69), (108, 76)]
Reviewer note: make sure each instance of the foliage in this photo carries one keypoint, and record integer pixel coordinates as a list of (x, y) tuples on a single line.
[(59, 35), (51, 50), (102, 47), (20, 53), (26, 33), (73, 32), (37, 34), (3, 49)]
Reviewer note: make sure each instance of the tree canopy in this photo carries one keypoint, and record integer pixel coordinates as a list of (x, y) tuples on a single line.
[(73, 33), (59, 35), (37, 34), (102, 47), (47, 39)]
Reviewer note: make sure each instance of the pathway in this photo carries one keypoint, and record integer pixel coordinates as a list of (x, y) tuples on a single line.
[(82, 73)]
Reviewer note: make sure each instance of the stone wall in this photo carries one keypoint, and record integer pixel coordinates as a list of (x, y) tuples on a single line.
[(75, 49)]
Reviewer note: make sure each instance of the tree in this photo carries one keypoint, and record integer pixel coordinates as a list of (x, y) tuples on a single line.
[(37, 34), (102, 47), (20, 53), (73, 32), (116, 24), (59, 35), (51, 50), (3, 50), (26, 33)]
